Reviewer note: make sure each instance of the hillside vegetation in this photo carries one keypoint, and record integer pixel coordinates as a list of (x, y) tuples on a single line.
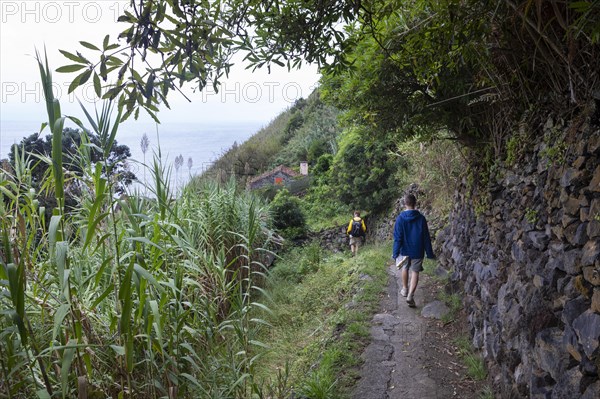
[(172, 296), (350, 166), (303, 132)]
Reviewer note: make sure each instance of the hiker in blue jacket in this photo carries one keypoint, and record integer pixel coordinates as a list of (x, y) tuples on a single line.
[(411, 242)]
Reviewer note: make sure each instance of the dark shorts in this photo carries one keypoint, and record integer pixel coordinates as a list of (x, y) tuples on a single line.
[(414, 265)]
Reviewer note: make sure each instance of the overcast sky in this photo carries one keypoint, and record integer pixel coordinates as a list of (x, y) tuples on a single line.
[(25, 25)]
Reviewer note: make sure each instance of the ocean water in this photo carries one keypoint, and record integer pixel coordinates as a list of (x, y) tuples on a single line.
[(202, 143)]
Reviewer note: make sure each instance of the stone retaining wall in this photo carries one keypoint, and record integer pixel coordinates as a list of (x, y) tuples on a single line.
[(334, 239), (529, 260)]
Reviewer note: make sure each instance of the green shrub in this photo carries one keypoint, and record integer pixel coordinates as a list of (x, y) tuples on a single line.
[(486, 393), (312, 258), (286, 271), (322, 166), (318, 148), (322, 209), (293, 125), (299, 262), (287, 214), (363, 170), (531, 215), (314, 133)]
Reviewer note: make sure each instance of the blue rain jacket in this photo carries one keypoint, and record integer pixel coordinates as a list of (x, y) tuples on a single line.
[(411, 236)]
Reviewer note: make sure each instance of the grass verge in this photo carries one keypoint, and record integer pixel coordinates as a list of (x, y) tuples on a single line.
[(321, 307), (473, 360)]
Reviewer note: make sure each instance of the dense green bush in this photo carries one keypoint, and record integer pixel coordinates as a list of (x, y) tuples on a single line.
[(318, 148), (362, 175), (321, 169), (287, 214)]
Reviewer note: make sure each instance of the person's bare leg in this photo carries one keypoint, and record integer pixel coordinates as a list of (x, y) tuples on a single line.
[(405, 277), (414, 280)]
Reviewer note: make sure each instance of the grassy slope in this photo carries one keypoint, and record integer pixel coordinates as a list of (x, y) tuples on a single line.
[(315, 330)]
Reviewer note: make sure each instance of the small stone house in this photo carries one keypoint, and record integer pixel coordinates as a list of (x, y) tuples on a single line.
[(281, 175)]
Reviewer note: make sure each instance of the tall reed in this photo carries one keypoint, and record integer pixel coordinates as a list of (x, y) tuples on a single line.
[(131, 296)]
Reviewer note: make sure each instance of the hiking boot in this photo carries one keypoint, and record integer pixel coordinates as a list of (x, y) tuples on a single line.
[(411, 302), (404, 292)]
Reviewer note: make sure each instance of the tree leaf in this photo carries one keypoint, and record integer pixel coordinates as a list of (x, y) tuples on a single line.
[(74, 84), (148, 90), (85, 76), (73, 57), (89, 45), (112, 93), (79, 80), (103, 72), (97, 85), (70, 68)]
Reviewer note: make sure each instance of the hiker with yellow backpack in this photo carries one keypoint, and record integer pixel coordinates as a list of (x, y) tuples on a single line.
[(356, 230)]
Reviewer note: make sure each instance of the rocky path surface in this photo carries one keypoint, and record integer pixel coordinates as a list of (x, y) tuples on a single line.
[(398, 361)]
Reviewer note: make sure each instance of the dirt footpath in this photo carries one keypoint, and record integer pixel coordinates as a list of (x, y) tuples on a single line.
[(410, 356)]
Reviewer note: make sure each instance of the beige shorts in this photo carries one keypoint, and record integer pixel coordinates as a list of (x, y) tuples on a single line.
[(355, 241)]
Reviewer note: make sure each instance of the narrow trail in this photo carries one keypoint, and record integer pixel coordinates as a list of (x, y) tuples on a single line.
[(395, 361)]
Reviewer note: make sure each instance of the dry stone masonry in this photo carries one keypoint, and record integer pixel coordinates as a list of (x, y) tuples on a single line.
[(527, 250)]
